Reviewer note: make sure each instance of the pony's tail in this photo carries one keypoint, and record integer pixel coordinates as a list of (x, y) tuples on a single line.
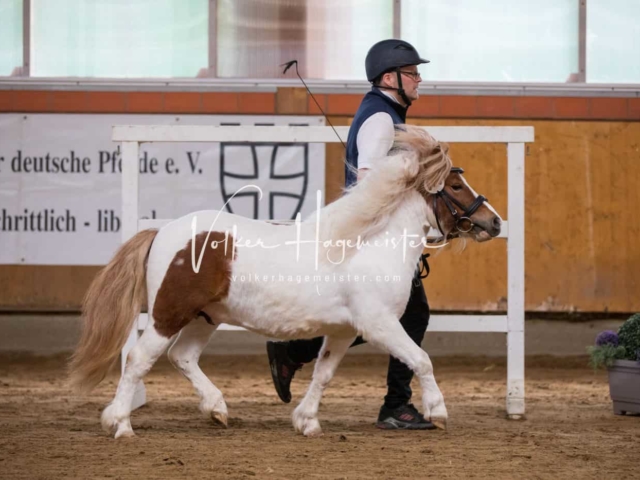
[(109, 309)]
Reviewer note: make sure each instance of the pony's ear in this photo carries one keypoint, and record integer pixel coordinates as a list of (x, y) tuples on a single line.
[(435, 168), (435, 188)]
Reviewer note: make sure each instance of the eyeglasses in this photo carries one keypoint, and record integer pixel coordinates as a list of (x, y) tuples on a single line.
[(414, 75)]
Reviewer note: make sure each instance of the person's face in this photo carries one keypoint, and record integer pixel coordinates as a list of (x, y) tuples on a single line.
[(410, 80)]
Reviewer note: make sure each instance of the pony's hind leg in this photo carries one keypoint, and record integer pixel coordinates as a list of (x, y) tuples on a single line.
[(305, 416), (117, 415), (184, 355)]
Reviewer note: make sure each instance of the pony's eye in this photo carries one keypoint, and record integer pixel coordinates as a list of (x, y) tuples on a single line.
[(456, 187)]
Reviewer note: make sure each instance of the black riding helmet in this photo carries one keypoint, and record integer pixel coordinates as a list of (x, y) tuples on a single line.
[(390, 55)]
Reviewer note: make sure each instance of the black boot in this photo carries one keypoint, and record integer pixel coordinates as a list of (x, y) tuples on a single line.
[(282, 369)]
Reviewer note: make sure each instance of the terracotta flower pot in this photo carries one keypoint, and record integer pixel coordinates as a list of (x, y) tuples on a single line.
[(624, 386)]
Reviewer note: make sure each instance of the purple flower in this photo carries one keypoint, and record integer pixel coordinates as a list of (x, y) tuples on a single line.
[(607, 337)]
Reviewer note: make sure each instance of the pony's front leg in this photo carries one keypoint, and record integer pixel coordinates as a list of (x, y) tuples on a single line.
[(305, 416), (388, 334)]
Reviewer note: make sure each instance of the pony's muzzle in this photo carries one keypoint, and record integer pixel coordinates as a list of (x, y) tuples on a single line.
[(488, 229), (496, 226)]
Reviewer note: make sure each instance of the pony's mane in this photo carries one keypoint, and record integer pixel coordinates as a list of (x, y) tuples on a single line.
[(434, 163), (418, 162)]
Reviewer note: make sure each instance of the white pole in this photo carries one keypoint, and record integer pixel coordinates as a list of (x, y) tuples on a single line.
[(515, 278), (130, 181), (129, 215)]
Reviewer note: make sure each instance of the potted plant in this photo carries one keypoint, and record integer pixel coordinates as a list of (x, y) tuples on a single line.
[(620, 353)]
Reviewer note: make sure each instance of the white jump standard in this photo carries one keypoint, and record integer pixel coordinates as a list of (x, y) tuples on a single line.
[(512, 230)]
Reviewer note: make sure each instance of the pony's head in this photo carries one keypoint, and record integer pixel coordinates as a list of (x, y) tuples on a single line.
[(458, 211), (454, 208)]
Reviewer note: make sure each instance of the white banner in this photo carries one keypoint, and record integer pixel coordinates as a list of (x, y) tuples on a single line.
[(60, 181)]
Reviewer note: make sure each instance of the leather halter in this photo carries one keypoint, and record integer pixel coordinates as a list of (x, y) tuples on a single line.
[(464, 224)]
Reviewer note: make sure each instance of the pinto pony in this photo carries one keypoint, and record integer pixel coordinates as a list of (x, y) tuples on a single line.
[(343, 272)]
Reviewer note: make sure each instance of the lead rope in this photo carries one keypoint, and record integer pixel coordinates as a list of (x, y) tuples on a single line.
[(423, 269)]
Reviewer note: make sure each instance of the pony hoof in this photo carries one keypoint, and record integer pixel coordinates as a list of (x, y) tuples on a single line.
[(311, 428), (219, 419), (125, 434), (107, 421), (440, 423), (108, 428)]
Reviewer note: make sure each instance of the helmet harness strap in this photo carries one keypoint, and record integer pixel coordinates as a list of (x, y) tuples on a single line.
[(400, 89)]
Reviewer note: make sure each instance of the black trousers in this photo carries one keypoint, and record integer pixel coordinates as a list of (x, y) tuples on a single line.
[(414, 320)]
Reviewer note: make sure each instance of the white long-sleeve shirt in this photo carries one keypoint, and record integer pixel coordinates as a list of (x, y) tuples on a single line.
[(375, 138)]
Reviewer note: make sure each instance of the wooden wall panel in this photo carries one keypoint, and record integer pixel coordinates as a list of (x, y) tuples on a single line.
[(39, 288), (582, 236)]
